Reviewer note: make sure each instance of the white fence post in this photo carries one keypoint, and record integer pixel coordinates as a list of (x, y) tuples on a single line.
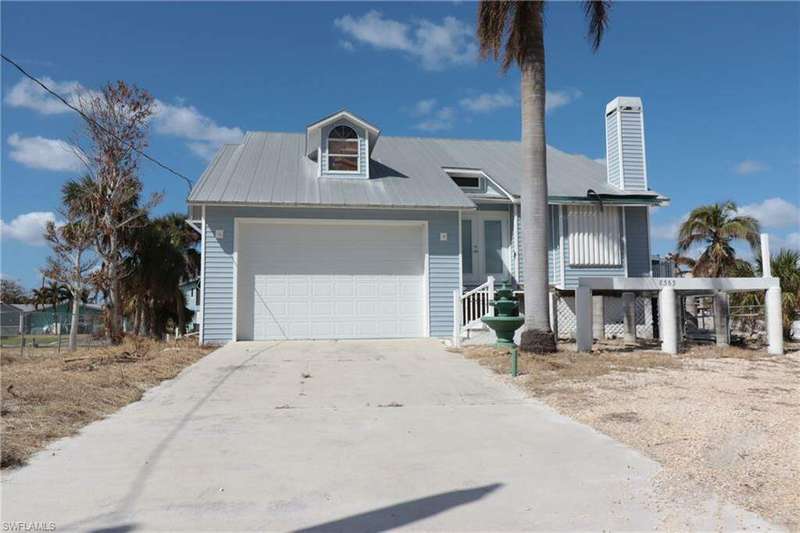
[(774, 321), (766, 260), (490, 308), (456, 317)]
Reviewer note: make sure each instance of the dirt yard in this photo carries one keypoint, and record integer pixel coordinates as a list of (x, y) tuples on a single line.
[(47, 396), (728, 420)]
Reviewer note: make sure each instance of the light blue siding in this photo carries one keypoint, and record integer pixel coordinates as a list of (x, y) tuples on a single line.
[(637, 251), (633, 165), (443, 260), (362, 151), (553, 253), (573, 273), (612, 150)]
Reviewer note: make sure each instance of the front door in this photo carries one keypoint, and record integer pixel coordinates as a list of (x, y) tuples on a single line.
[(484, 246)]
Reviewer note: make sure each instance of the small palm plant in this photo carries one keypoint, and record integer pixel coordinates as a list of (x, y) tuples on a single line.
[(716, 227), (786, 267)]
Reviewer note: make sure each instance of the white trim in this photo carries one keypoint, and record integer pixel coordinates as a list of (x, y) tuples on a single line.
[(644, 151), (342, 222), (339, 114), (235, 325), (619, 150), (357, 156), (618, 283), (474, 172), (561, 244), (649, 244), (202, 274), (460, 257), (193, 224), (624, 234), (426, 305), (322, 206), (515, 239)]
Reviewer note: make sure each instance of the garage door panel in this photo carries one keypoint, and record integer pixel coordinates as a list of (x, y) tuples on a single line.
[(330, 281)]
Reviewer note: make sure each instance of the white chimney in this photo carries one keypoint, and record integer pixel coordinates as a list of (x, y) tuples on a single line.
[(626, 162)]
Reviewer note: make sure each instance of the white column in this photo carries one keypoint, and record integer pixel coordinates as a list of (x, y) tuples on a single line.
[(583, 319), (774, 321), (669, 322), (598, 318), (766, 263), (629, 317), (456, 317), (554, 313), (721, 327)]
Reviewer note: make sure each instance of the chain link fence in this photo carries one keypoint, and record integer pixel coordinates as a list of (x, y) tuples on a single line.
[(33, 331)]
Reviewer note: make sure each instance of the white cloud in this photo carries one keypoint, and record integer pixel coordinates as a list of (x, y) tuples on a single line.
[(347, 45), (27, 94), (666, 231), (436, 46), (750, 166), (424, 107), (560, 98), (790, 240), (440, 120), (774, 213), (28, 227), (186, 122), (485, 102), (183, 121), (42, 153)]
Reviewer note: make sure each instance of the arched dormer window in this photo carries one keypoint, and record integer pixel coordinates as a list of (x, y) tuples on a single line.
[(343, 149)]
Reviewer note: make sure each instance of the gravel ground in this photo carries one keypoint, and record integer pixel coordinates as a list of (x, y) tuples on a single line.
[(728, 420)]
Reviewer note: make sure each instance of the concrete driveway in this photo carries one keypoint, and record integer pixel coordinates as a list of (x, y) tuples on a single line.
[(345, 436)]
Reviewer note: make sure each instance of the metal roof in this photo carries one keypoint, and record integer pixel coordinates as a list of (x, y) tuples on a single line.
[(272, 168)]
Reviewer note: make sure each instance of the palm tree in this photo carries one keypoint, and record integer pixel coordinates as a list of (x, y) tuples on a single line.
[(163, 257), (516, 30), (716, 227), (786, 267)]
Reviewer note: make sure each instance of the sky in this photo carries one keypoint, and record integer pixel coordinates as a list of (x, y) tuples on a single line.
[(720, 84)]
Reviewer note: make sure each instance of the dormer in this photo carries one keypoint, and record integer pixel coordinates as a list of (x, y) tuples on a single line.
[(341, 145)]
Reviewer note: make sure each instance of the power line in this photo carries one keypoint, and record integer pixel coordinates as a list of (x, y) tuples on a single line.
[(96, 124)]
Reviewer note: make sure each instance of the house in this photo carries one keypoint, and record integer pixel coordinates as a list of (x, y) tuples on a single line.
[(341, 232), (44, 319), (191, 295)]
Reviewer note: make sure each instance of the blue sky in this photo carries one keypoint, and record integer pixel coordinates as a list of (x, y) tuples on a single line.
[(720, 83)]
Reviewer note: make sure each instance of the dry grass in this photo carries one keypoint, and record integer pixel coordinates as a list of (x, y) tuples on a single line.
[(721, 420), (47, 396)]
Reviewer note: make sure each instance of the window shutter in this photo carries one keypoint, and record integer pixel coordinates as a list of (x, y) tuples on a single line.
[(595, 236)]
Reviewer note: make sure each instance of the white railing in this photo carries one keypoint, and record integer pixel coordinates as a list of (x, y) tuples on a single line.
[(469, 307)]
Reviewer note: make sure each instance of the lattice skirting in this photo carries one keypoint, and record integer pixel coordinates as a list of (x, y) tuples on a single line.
[(612, 308)]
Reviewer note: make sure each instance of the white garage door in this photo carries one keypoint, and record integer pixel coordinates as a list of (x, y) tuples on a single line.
[(330, 280)]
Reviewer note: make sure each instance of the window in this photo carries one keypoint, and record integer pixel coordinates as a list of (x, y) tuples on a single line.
[(467, 182), (595, 236), (343, 149)]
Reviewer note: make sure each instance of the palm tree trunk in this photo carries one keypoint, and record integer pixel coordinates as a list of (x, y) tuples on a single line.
[(114, 293), (73, 327), (536, 336)]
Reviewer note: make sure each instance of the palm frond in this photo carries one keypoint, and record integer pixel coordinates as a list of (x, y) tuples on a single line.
[(597, 14)]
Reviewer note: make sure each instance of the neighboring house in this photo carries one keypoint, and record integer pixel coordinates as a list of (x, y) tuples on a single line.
[(44, 319), (191, 294), (9, 320), (339, 232)]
